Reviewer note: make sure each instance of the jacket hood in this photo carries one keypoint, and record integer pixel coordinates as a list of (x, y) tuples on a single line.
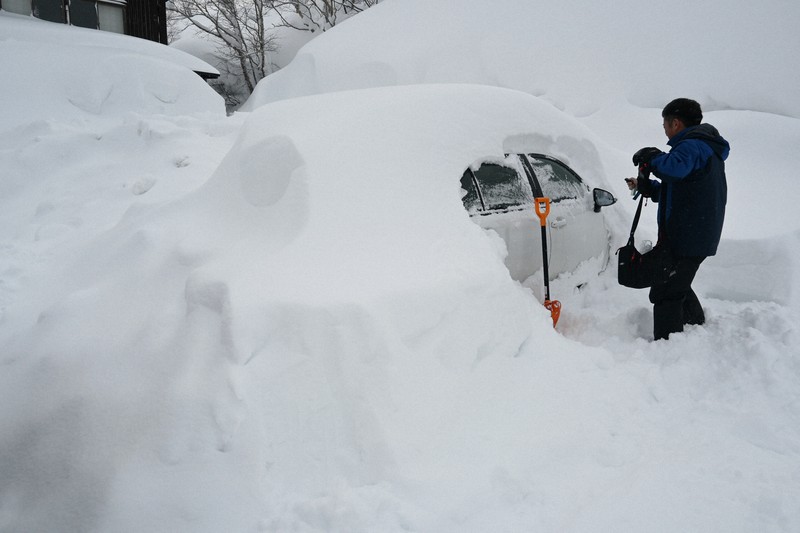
[(709, 135)]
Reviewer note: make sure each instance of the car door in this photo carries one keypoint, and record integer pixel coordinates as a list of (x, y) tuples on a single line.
[(499, 196), (576, 232)]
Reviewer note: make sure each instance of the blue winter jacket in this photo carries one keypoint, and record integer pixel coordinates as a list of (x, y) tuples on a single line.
[(692, 192)]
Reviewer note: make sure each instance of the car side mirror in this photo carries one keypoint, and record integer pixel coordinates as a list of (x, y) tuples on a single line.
[(602, 198)]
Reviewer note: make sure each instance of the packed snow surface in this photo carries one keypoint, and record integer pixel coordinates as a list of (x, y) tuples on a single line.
[(284, 320)]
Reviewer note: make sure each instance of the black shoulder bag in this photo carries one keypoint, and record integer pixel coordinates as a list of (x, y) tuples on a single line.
[(639, 271)]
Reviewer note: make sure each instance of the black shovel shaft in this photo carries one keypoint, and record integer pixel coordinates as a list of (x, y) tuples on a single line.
[(544, 264)]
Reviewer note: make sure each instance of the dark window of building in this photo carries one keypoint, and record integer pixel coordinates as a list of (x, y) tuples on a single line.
[(83, 13), (147, 19), (52, 10)]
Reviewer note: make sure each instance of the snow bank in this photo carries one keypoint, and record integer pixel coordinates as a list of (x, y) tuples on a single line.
[(31, 29), (84, 76), (580, 56), (324, 246)]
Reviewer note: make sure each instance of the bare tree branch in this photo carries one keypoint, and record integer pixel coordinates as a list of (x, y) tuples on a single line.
[(244, 40), (237, 26), (317, 15)]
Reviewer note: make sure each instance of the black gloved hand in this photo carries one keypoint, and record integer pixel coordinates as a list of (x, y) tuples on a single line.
[(645, 155)]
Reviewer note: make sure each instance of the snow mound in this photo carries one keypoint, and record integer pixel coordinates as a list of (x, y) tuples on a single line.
[(559, 51), (31, 29), (262, 279), (86, 80)]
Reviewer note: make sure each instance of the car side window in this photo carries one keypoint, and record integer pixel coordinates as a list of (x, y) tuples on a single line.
[(558, 181), (502, 187)]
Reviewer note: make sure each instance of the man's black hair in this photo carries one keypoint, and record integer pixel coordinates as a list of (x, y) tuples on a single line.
[(686, 110)]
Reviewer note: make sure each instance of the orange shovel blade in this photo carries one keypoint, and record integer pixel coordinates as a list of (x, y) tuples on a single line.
[(554, 306)]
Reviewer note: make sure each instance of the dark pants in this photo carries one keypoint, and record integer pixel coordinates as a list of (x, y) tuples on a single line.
[(674, 301)]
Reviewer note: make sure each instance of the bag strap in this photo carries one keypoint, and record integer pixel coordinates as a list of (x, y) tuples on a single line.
[(636, 220)]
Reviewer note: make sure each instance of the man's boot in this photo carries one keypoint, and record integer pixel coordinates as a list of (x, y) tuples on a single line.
[(692, 310), (667, 318)]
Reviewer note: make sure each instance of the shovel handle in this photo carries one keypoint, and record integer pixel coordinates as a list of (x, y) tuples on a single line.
[(542, 209)]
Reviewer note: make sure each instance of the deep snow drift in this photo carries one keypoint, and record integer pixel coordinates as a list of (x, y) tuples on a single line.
[(285, 321), (58, 72)]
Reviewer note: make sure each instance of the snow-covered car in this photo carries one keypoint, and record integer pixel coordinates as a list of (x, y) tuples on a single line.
[(413, 158), (499, 196)]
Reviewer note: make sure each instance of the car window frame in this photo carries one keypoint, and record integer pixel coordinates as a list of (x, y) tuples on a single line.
[(554, 160), (524, 183), (535, 187), (478, 191)]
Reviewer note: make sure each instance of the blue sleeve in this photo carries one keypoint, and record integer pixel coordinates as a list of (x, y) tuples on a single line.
[(682, 160)]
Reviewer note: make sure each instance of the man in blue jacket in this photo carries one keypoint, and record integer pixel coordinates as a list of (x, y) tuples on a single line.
[(691, 196)]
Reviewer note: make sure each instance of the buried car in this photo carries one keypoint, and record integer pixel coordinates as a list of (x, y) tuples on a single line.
[(500, 196), (359, 196)]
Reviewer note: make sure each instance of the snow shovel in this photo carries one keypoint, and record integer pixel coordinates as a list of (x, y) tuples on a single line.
[(542, 210)]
